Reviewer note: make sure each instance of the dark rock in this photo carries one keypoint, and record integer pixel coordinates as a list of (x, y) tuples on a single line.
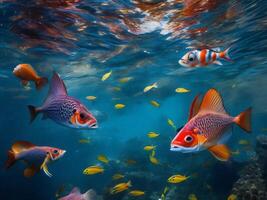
[(252, 185)]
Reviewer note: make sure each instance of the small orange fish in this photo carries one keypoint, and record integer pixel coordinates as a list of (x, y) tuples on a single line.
[(26, 73)]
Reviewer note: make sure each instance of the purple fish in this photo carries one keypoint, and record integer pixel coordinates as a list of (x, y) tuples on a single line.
[(64, 109), (37, 157), (75, 194)]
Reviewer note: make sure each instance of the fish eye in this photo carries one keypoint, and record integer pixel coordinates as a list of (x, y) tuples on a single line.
[(191, 57), (55, 151), (74, 111), (82, 116), (188, 138)]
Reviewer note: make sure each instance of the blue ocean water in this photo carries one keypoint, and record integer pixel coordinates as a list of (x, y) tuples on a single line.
[(82, 40)]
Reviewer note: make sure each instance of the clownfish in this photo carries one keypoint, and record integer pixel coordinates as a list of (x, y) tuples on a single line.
[(204, 57)]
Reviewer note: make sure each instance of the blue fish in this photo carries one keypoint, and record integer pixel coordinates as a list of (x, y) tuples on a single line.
[(63, 109)]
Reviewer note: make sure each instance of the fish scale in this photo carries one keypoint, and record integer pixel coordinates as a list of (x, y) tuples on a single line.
[(210, 125), (61, 108)]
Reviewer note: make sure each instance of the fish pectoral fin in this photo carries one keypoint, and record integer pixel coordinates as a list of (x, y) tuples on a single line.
[(217, 62), (45, 169), (30, 171), (220, 152), (201, 139)]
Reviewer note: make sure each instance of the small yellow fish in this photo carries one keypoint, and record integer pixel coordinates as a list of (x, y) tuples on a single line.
[(165, 190), (153, 153), (147, 88), (163, 195), (103, 158), (84, 141), (93, 170), (106, 76), (120, 187), (171, 123), (149, 147), (153, 160), (192, 197), (119, 106), (152, 135), (117, 176), (243, 142), (154, 103), (125, 79), (116, 89), (136, 193), (177, 178), (232, 197), (91, 98), (181, 90)]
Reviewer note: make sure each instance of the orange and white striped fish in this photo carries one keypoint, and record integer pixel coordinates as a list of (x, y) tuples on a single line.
[(204, 57)]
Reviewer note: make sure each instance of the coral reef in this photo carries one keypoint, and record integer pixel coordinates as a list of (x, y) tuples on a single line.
[(252, 183)]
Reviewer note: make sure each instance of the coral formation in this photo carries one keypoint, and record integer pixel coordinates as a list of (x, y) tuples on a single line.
[(252, 185)]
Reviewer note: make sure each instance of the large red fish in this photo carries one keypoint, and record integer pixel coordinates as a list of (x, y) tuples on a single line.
[(207, 127), (36, 157)]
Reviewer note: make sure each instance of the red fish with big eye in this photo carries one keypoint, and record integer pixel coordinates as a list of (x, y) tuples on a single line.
[(204, 57), (207, 127), (36, 157), (64, 109)]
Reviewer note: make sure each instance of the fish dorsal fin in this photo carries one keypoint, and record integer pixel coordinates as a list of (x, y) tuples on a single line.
[(21, 146), (212, 101), (75, 190), (194, 107), (57, 88)]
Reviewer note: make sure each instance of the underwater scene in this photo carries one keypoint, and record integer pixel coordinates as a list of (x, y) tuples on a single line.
[(133, 99)]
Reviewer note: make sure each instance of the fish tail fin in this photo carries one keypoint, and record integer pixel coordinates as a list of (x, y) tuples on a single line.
[(244, 120), (225, 54), (33, 112), (11, 159), (40, 82), (155, 85)]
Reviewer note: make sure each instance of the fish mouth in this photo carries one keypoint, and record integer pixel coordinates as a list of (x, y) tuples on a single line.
[(183, 62), (93, 126), (184, 149), (175, 148)]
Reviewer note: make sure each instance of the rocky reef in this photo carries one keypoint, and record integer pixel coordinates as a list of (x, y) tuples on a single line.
[(252, 182)]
